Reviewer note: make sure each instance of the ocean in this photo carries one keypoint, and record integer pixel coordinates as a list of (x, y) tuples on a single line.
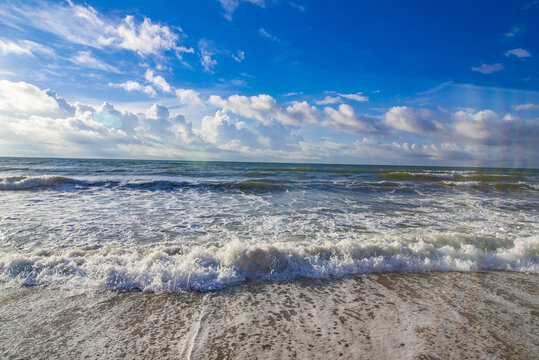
[(176, 242)]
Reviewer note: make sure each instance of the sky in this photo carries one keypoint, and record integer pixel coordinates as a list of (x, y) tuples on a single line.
[(378, 82)]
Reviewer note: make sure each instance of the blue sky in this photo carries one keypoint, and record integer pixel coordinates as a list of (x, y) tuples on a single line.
[(390, 82)]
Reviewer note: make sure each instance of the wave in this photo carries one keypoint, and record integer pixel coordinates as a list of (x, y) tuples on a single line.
[(34, 182), (45, 182), (498, 187), (413, 176), (486, 177), (175, 268), (253, 185), (445, 175)]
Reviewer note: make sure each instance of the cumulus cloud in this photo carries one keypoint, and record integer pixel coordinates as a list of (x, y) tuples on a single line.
[(346, 119), (20, 99), (41, 123), (145, 38), (489, 128), (48, 129), (41, 120), (264, 108), (521, 53), (134, 86), (411, 120), (158, 81), (227, 133), (488, 69), (188, 97)]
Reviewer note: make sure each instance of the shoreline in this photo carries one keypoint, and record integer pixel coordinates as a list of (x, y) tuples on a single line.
[(373, 316)]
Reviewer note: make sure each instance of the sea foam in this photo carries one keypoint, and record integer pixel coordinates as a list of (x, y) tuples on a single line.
[(175, 268)]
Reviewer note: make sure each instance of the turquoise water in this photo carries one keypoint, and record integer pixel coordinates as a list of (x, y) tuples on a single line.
[(179, 225)]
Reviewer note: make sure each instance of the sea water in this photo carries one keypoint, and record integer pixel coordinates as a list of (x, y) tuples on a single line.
[(169, 226)]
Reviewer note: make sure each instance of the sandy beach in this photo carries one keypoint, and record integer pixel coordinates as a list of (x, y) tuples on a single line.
[(379, 316)]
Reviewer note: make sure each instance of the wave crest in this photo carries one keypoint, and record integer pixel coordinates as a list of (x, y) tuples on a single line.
[(33, 182), (171, 269)]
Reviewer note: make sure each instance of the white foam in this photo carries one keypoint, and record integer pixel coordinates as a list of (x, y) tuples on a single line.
[(467, 184), (162, 268)]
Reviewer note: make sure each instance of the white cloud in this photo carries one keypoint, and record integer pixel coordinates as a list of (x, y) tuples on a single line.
[(188, 97), (24, 47), (473, 125), (346, 119), (262, 32), (229, 6), (239, 82), (37, 48), (264, 108), (411, 120), (20, 98), (298, 6), (86, 59), (529, 106), (329, 100), (146, 38), (207, 62), (521, 53), (355, 97), (206, 51), (9, 47), (239, 57), (37, 122), (227, 133), (83, 25), (300, 113), (259, 107), (158, 81), (370, 151), (134, 86), (338, 99), (488, 69), (489, 128)]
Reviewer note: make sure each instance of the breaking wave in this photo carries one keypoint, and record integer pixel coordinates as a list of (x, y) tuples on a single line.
[(263, 185), (176, 268), (45, 182), (34, 182)]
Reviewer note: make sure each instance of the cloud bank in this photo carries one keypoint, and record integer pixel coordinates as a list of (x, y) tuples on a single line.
[(37, 122)]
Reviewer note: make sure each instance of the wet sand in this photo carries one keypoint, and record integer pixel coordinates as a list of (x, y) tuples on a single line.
[(386, 316)]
